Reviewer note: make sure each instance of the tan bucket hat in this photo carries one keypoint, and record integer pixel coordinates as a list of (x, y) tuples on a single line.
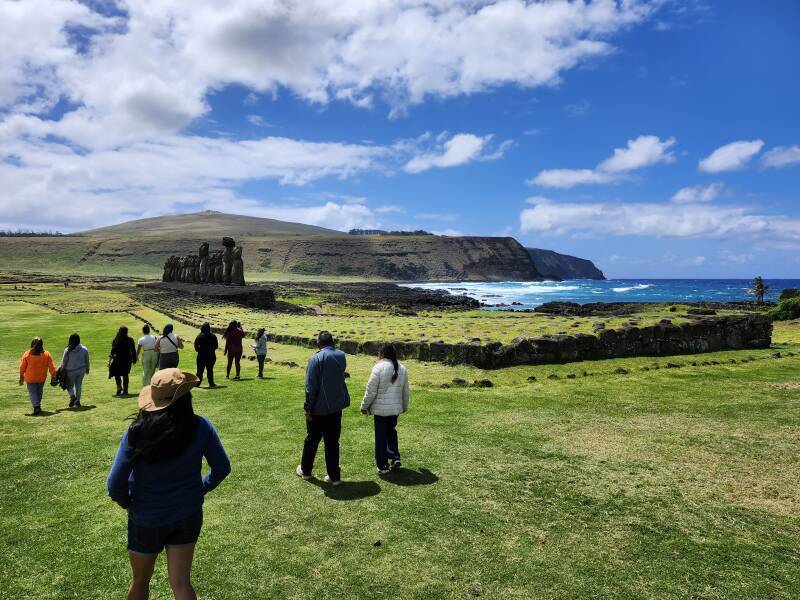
[(165, 387)]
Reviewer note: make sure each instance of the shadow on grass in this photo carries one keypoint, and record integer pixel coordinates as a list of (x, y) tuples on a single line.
[(348, 490), (81, 408), (44, 413), (125, 396), (216, 387), (409, 477)]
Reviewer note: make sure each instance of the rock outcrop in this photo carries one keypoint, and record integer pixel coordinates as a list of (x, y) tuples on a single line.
[(562, 266)]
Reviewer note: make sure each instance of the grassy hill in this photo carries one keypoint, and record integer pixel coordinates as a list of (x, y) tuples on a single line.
[(272, 249), (206, 223)]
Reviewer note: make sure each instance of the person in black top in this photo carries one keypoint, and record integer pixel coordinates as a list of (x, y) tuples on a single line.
[(123, 355), (206, 345)]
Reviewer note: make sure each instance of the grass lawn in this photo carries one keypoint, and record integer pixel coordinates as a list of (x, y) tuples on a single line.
[(668, 483)]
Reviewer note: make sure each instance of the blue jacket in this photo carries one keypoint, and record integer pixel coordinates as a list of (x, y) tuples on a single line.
[(326, 391), (166, 491)]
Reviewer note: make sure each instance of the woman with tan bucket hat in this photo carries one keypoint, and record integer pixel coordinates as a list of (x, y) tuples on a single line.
[(157, 478)]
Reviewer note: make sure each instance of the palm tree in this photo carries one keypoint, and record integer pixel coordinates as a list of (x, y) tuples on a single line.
[(759, 289)]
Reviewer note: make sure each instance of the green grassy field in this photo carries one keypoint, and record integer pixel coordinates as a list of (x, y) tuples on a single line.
[(667, 483)]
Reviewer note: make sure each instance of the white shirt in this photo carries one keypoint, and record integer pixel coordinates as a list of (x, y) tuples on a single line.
[(147, 342)]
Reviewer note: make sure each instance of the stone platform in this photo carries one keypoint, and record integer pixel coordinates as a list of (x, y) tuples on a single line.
[(253, 296)]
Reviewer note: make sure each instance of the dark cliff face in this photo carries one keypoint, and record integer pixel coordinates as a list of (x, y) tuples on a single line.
[(563, 266), (424, 258)]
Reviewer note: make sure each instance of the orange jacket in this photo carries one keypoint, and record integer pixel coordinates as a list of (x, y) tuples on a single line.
[(33, 367)]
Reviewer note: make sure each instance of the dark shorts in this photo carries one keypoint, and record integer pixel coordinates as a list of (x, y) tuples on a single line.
[(151, 540)]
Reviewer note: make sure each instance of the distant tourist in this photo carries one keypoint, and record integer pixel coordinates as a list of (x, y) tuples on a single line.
[(261, 350), (147, 355), (206, 344), (233, 347), (122, 357), (386, 397), (326, 397), (167, 347), (157, 479), (74, 367), (33, 368)]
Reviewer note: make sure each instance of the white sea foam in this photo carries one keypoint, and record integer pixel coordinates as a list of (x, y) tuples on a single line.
[(641, 286)]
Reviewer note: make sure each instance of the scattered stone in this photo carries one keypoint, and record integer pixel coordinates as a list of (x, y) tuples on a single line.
[(673, 309), (665, 322), (532, 378), (585, 373), (672, 365), (644, 368), (570, 375), (693, 363), (776, 355), (483, 383), (701, 311), (445, 386), (621, 371), (377, 543), (552, 376), (459, 381)]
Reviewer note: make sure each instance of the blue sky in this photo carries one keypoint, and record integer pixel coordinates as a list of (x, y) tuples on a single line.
[(659, 139)]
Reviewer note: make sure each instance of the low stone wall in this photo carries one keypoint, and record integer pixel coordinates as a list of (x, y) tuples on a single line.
[(707, 334), (253, 296)]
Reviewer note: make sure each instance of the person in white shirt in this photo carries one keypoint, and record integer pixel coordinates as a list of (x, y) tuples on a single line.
[(146, 352), (261, 350), (387, 396), (167, 347)]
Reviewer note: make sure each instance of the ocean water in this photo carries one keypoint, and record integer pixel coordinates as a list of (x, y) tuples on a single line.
[(533, 293)]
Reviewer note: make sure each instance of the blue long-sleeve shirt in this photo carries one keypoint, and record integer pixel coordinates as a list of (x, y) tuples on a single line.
[(326, 390), (170, 490)]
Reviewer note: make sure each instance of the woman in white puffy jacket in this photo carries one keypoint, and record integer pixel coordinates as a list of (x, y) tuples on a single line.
[(386, 397)]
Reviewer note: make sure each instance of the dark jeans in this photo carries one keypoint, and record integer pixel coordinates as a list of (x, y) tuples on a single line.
[(234, 356), (205, 363), (327, 427), (122, 382), (386, 441), (261, 358)]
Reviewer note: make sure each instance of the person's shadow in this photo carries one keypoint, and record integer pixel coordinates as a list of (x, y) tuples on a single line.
[(348, 490), (44, 413), (81, 408), (408, 477)]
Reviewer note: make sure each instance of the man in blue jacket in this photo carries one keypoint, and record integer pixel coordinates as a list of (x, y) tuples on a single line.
[(326, 397)]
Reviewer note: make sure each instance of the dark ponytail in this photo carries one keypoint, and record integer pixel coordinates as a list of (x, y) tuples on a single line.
[(389, 352), (163, 434)]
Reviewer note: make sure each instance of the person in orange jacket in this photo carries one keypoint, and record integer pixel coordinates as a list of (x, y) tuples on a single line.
[(33, 368)]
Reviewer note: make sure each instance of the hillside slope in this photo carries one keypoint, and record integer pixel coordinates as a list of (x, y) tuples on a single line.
[(207, 223), (563, 266)]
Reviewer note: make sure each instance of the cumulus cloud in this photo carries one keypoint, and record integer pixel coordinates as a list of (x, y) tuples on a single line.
[(782, 156), (457, 150), (730, 157), (698, 193), (644, 151), (697, 221)]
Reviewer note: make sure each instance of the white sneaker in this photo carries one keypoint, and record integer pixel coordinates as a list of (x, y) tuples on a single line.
[(383, 471), (331, 481), (300, 473)]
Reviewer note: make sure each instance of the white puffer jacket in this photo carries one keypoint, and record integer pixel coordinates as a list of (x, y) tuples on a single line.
[(384, 398)]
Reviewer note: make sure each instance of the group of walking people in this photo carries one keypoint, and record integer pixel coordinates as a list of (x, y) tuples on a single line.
[(154, 352), (157, 472)]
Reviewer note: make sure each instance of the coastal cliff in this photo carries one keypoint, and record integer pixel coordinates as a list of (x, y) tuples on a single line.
[(563, 266)]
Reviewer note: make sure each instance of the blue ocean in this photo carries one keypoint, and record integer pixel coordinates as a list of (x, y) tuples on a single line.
[(530, 294)]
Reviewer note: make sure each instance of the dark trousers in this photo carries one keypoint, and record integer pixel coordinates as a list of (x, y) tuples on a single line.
[(261, 358), (386, 441), (122, 382), (234, 356), (205, 363), (327, 427)]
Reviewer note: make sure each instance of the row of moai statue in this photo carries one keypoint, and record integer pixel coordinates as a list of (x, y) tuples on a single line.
[(223, 266)]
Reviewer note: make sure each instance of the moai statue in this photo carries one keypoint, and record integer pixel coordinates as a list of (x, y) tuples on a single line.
[(237, 269), (218, 267), (184, 269), (167, 266), (227, 259), (203, 269)]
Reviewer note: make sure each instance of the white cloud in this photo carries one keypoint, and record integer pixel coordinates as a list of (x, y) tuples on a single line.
[(151, 69), (644, 151), (578, 109), (258, 121), (782, 156), (730, 157), (659, 220), (697, 261), (698, 193), (390, 208), (567, 178), (458, 150)]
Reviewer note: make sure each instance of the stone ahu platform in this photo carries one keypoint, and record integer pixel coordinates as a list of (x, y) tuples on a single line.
[(249, 295)]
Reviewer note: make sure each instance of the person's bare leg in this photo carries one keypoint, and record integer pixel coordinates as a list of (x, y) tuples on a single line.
[(179, 566), (142, 568)]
